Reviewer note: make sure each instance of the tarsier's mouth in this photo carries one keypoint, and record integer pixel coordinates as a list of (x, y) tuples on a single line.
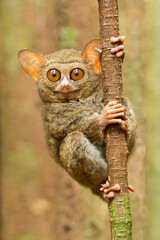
[(66, 91)]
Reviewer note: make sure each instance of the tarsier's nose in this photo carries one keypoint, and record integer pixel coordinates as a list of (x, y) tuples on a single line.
[(64, 84)]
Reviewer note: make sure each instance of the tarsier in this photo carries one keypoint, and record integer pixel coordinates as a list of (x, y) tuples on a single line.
[(70, 86)]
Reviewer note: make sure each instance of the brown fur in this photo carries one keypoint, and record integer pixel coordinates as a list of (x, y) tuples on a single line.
[(70, 120)]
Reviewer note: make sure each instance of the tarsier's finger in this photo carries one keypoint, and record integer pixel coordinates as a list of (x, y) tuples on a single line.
[(113, 121), (115, 106), (117, 49), (115, 110), (111, 103), (116, 115), (117, 39), (120, 54), (123, 125)]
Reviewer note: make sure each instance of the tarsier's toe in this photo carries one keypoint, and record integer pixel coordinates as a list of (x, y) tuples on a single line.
[(108, 192), (130, 188), (104, 186), (109, 195)]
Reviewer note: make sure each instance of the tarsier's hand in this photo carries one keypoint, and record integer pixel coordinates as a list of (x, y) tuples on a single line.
[(114, 113), (119, 50)]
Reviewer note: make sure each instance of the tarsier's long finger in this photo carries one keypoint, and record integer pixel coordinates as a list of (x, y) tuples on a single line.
[(122, 123), (117, 49), (124, 126), (120, 54), (111, 103), (115, 107), (116, 115), (117, 39), (115, 110), (114, 104)]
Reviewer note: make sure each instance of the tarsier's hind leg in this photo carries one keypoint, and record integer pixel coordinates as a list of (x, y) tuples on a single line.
[(83, 161)]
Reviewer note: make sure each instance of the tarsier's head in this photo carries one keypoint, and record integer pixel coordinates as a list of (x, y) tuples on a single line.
[(65, 74)]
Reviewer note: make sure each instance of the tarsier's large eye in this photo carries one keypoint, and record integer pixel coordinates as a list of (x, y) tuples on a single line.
[(53, 75), (77, 74)]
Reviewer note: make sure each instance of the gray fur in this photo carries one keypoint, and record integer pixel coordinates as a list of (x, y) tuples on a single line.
[(70, 121)]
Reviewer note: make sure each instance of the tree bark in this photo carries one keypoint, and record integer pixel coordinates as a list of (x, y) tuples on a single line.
[(116, 149)]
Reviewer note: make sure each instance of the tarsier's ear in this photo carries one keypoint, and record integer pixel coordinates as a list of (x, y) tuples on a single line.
[(31, 62), (92, 54)]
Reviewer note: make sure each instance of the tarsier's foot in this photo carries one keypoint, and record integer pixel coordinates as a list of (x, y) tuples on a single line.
[(119, 50), (114, 113), (109, 192)]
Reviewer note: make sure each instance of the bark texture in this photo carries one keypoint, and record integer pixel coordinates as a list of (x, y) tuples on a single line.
[(116, 150)]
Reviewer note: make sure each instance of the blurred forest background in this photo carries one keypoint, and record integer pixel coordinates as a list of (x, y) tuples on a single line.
[(39, 201)]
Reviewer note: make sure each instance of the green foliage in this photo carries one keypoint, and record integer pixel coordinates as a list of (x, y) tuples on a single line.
[(67, 37), (14, 36), (153, 112), (120, 217), (27, 235)]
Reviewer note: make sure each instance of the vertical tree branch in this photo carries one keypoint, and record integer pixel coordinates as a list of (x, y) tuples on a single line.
[(116, 150)]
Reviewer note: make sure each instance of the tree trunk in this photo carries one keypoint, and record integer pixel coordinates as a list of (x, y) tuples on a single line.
[(116, 150)]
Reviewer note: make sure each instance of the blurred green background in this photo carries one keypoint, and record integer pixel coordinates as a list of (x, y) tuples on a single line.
[(39, 201)]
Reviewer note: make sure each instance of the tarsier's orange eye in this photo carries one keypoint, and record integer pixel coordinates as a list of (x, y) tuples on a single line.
[(53, 75), (77, 74)]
